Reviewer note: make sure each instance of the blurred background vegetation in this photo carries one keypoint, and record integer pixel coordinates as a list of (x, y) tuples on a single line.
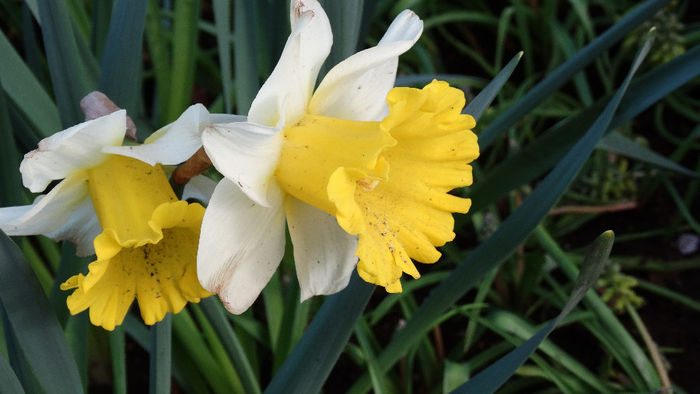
[(637, 333)]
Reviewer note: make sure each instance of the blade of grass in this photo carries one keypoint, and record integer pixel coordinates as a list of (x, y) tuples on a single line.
[(362, 333), (120, 76), (569, 48), (222, 21), (564, 72), (539, 156), (274, 309), (11, 190), (312, 359), (185, 35), (490, 379), (216, 348), (506, 239), (160, 356), (678, 200), (631, 350), (272, 18), (118, 356), (26, 92), (70, 76), (36, 328), (157, 48), (459, 16), (214, 311), (481, 102), (618, 143), (10, 383), (669, 294), (18, 362), (100, 17), (290, 315), (346, 20), (198, 352), (245, 57), (76, 331)]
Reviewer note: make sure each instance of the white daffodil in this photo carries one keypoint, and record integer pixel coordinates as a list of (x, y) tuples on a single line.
[(119, 208), (356, 168)]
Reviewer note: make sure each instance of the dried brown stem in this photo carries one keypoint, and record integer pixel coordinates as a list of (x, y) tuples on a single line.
[(195, 165), (581, 209)]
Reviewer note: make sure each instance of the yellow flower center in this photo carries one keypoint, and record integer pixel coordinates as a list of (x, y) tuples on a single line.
[(147, 249), (387, 181)]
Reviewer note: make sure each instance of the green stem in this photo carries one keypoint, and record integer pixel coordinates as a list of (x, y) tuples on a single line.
[(653, 349), (161, 360)]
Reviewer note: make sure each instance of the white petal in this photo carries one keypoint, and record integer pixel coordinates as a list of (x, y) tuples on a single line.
[(176, 142), (48, 212), (81, 229), (199, 188), (324, 253), (356, 88), (286, 92), (240, 246), (245, 153), (76, 148)]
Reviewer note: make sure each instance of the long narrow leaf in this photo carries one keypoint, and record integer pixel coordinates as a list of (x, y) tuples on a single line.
[(118, 353), (26, 92), (215, 313), (542, 154), (70, 76), (481, 102), (564, 72), (38, 333), (617, 336), (222, 21), (618, 143), (505, 240), (10, 178), (10, 383), (312, 359), (185, 36), (18, 362), (160, 356), (157, 48), (490, 379), (245, 56), (346, 21), (120, 68)]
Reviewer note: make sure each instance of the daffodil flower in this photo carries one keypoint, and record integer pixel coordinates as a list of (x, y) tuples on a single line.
[(120, 208), (356, 168)]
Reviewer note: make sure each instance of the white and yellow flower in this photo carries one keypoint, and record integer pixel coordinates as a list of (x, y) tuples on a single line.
[(119, 208), (356, 168)]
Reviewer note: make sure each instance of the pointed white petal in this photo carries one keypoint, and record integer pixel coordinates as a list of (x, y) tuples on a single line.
[(324, 253), (240, 246), (286, 92), (176, 142), (245, 153), (199, 188), (81, 229), (48, 212), (356, 88), (76, 148)]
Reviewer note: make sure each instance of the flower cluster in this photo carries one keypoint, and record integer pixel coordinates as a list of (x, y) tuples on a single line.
[(359, 172)]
